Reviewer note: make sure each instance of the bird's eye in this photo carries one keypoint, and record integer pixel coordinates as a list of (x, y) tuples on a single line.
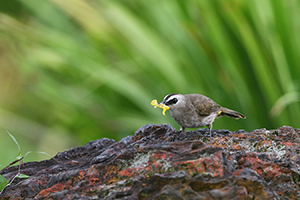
[(172, 101)]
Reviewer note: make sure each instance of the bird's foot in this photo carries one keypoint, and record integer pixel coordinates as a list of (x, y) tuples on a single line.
[(210, 135)]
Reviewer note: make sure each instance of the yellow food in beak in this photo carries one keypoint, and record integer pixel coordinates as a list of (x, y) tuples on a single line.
[(161, 105)]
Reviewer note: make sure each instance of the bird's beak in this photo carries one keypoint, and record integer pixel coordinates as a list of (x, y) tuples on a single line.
[(162, 103), (164, 107)]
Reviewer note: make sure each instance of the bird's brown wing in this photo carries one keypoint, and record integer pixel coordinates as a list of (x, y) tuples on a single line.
[(203, 105)]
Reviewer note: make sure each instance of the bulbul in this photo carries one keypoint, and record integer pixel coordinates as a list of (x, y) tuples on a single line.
[(196, 110)]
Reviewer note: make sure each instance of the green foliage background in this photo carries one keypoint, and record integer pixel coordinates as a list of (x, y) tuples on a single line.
[(72, 71)]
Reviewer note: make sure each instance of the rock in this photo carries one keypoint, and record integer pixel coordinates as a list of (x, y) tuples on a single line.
[(158, 162)]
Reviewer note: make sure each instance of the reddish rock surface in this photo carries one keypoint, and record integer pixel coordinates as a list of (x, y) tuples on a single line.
[(158, 162)]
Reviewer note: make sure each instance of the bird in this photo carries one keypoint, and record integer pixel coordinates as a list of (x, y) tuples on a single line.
[(196, 110)]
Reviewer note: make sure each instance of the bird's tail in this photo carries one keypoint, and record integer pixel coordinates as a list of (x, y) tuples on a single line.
[(230, 113)]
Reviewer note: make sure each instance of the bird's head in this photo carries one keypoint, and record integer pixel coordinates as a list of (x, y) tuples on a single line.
[(174, 100)]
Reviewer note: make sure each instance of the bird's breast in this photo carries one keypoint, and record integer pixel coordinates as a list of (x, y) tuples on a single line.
[(192, 119)]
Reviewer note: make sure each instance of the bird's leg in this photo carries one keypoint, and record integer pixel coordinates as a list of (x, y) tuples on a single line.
[(182, 128), (210, 127)]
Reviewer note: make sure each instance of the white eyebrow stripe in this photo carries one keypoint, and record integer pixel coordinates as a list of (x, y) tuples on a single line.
[(169, 96)]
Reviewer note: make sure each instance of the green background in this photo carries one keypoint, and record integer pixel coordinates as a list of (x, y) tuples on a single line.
[(72, 71)]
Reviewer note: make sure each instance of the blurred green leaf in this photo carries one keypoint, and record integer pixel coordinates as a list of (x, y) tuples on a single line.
[(89, 69), (22, 176), (3, 182)]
